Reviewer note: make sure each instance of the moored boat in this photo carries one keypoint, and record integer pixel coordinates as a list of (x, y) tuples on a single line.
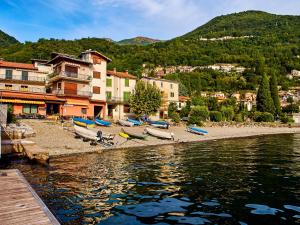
[(125, 123), (102, 123), (83, 122), (164, 126), (135, 122), (85, 133), (159, 134), (196, 130), (134, 135)]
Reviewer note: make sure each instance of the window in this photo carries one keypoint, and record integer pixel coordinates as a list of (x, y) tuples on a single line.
[(96, 75), (126, 82), (8, 86), (8, 74), (126, 109), (30, 109), (171, 86), (24, 75), (59, 86), (108, 95), (126, 96), (96, 60), (172, 94), (83, 110), (108, 82), (179, 104), (96, 90), (71, 71), (24, 88)]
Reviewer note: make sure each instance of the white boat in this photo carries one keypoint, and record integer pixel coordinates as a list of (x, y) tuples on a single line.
[(125, 123), (163, 126), (159, 134), (86, 133)]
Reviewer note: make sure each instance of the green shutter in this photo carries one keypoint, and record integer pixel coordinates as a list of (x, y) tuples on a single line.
[(108, 82), (34, 109), (26, 109), (126, 96), (108, 95), (126, 82)]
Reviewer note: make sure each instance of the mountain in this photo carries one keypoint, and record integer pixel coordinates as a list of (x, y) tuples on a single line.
[(249, 23), (143, 41), (6, 40)]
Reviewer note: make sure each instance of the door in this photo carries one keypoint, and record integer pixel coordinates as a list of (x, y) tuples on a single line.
[(97, 111)]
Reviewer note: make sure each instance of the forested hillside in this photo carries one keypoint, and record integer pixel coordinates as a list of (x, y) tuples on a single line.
[(6, 40)]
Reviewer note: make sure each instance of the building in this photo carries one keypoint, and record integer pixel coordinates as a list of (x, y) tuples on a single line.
[(119, 86), (170, 93), (22, 85), (182, 102)]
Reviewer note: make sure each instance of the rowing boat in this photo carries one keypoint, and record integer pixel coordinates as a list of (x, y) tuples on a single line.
[(196, 130), (134, 135), (125, 123), (159, 134), (164, 126), (102, 123), (124, 135), (85, 133), (135, 122), (83, 122)]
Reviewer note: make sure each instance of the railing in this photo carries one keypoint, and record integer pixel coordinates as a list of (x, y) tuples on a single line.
[(116, 100), (22, 78), (72, 92), (29, 89), (71, 75)]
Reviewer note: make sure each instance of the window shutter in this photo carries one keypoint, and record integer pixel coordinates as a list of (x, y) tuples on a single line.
[(96, 75), (96, 90)]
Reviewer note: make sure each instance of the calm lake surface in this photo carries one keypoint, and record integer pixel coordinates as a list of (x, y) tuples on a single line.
[(240, 181)]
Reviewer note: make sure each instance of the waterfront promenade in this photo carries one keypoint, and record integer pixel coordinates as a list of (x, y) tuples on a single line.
[(19, 202)]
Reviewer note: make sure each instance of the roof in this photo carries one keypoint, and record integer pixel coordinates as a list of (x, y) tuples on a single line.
[(15, 65), (40, 60), (33, 96), (96, 53), (60, 57), (121, 74), (158, 79), (184, 98)]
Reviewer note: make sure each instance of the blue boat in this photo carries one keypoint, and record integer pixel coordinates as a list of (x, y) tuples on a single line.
[(196, 130), (102, 123), (135, 122), (83, 122)]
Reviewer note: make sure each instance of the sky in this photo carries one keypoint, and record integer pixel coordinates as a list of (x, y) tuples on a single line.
[(29, 20)]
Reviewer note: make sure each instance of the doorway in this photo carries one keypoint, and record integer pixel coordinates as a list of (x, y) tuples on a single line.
[(97, 111)]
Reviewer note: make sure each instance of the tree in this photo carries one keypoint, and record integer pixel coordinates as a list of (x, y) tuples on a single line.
[(264, 101), (274, 94), (198, 115), (145, 100), (172, 108)]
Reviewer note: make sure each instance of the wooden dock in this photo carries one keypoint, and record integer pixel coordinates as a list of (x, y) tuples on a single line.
[(19, 203)]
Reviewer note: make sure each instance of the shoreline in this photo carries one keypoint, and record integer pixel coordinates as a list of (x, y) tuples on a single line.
[(58, 141)]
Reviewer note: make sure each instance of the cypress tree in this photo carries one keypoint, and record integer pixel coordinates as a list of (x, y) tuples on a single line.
[(264, 101), (274, 94)]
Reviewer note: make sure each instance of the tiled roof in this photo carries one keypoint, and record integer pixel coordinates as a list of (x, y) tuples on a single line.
[(96, 53), (184, 98), (121, 74), (62, 57), (32, 96), (15, 65)]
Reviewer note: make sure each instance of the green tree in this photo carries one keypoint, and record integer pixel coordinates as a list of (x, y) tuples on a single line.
[(274, 94), (172, 108), (198, 115), (145, 99), (264, 101)]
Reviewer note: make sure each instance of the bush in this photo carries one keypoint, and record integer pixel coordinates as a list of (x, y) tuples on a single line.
[(198, 114), (227, 113), (284, 118), (238, 118), (10, 116), (263, 117), (215, 116), (198, 101), (291, 108), (175, 117)]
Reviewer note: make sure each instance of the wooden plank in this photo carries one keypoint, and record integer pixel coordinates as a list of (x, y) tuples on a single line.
[(19, 202)]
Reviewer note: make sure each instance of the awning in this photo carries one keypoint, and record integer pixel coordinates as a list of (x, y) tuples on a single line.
[(22, 101)]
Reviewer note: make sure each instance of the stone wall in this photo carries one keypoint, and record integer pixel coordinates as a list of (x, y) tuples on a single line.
[(3, 115)]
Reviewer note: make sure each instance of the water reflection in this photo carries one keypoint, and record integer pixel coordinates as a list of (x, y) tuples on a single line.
[(245, 181)]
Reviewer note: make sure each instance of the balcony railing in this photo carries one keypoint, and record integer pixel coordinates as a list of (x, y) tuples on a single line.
[(67, 74), (23, 89), (117, 100), (22, 78), (72, 92)]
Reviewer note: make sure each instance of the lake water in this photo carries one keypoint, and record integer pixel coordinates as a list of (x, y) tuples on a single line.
[(239, 181)]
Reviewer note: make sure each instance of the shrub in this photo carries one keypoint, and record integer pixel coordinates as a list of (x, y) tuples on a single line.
[(238, 118), (10, 116), (263, 117), (227, 113), (198, 114), (175, 117), (284, 118), (291, 108), (215, 116), (198, 101), (172, 108)]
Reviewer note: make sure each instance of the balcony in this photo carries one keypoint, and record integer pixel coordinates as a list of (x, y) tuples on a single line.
[(70, 75), (69, 92), (23, 89), (116, 100), (23, 79)]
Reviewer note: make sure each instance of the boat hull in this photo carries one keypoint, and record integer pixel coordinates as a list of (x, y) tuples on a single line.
[(197, 130), (135, 122), (83, 122), (85, 133), (134, 135), (159, 134), (102, 123), (125, 123)]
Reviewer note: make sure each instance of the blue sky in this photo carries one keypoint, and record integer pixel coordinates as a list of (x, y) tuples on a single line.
[(29, 20)]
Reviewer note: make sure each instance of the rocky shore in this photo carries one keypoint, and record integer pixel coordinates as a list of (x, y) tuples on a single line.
[(58, 140)]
